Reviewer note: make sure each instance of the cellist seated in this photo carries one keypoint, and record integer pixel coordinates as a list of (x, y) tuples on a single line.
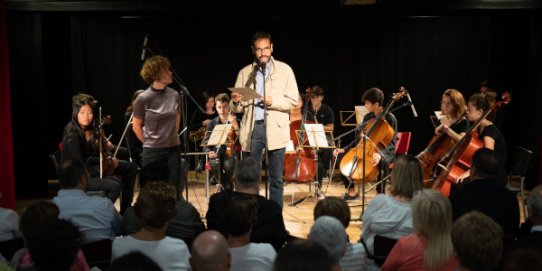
[(372, 99), (222, 156)]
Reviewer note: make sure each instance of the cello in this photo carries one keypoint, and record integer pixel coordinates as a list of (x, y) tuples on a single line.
[(458, 159), (379, 135), (299, 166)]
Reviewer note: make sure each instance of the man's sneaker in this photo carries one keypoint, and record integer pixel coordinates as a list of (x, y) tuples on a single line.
[(320, 195), (346, 196)]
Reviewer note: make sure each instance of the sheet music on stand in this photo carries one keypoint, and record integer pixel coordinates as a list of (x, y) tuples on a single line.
[(347, 117), (219, 135), (361, 111), (435, 119), (248, 93), (316, 136)]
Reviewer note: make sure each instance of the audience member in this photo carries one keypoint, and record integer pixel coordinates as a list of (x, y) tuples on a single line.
[(96, 217), (524, 259), (534, 206), (269, 227), (210, 252), (241, 214), (31, 226), (9, 224), (54, 247), (390, 215), (186, 224), (477, 241), (484, 194), (354, 258), (154, 207), (430, 247), (329, 232), (134, 261), (303, 255)]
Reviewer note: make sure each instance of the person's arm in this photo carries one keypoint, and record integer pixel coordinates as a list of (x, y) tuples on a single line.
[(137, 127)]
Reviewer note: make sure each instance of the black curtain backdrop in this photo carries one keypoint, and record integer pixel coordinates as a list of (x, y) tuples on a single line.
[(54, 55)]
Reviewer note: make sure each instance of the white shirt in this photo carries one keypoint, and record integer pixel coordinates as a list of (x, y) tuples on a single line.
[(169, 253), (253, 257)]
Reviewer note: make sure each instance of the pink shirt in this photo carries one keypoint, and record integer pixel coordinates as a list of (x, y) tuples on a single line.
[(79, 265), (407, 254)]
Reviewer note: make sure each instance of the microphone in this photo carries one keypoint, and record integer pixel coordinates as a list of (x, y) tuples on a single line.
[(144, 49), (261, 64), (411, 105)]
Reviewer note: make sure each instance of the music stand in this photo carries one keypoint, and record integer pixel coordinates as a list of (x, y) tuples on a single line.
[(316, 138), (216, 138)]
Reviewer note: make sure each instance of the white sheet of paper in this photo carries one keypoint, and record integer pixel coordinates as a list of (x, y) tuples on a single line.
[(290, 147), (361, 111), (219, 134), (248, 93), (316, 135), (439, 114)]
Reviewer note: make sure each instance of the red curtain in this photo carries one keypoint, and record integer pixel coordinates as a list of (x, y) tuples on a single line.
[(7, 177)]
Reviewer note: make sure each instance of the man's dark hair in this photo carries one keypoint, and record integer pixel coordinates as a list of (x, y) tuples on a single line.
[(373, 95), (55, 247), (134, 261), (303, 255), (241, 214), (486, 162), (261, 35), (317, 90), (70, 173), (248, 172), (223, 98), (155, 171)]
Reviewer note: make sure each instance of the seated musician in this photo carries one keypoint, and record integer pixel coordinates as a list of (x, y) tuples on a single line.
[(199, 121), (372, 99), (488, 133), (224, 155)]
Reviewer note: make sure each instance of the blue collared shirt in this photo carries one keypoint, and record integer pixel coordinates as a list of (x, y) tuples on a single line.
[(260, 80), (96, 217)]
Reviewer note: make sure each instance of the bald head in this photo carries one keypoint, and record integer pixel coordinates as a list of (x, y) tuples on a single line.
[(210, 252)]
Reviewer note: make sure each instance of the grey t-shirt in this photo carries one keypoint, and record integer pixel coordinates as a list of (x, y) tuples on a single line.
[(158, 110)]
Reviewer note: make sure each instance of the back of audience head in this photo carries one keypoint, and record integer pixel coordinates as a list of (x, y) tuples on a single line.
[(134, 261), (432, 220), (210, 252), (478, 241), (241, 214), (406, 176), (524, 259), (41, 212), (247, 173), (335, 207), (303, 255), (534, 203), (155, 171), (55, 247), (485, 164), (330, 233), (155, 205), (73, 173)]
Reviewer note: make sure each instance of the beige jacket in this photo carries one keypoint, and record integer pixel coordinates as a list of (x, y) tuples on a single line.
[(282, 87)]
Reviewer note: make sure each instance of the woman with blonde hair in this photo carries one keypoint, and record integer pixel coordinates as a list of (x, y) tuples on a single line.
[(430, 247), (390, 215)]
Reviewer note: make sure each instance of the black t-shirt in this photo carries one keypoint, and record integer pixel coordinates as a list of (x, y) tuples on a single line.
[(462, 126), (324, 115), (500, 143)]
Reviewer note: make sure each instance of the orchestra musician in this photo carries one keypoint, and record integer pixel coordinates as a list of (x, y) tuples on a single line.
[(80, 141), (488, 133), (321, 113), (276, 80), (373, 99), (225, 154)]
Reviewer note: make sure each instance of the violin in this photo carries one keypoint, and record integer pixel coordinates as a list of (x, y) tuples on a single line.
[(299, 166), (458, 159), (379, 135), (107, 163)]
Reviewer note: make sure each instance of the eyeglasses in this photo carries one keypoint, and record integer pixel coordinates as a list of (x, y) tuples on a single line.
[(446, 103), (265, 49)]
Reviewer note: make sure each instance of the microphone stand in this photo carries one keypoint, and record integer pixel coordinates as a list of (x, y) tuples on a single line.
[(262, 66)]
